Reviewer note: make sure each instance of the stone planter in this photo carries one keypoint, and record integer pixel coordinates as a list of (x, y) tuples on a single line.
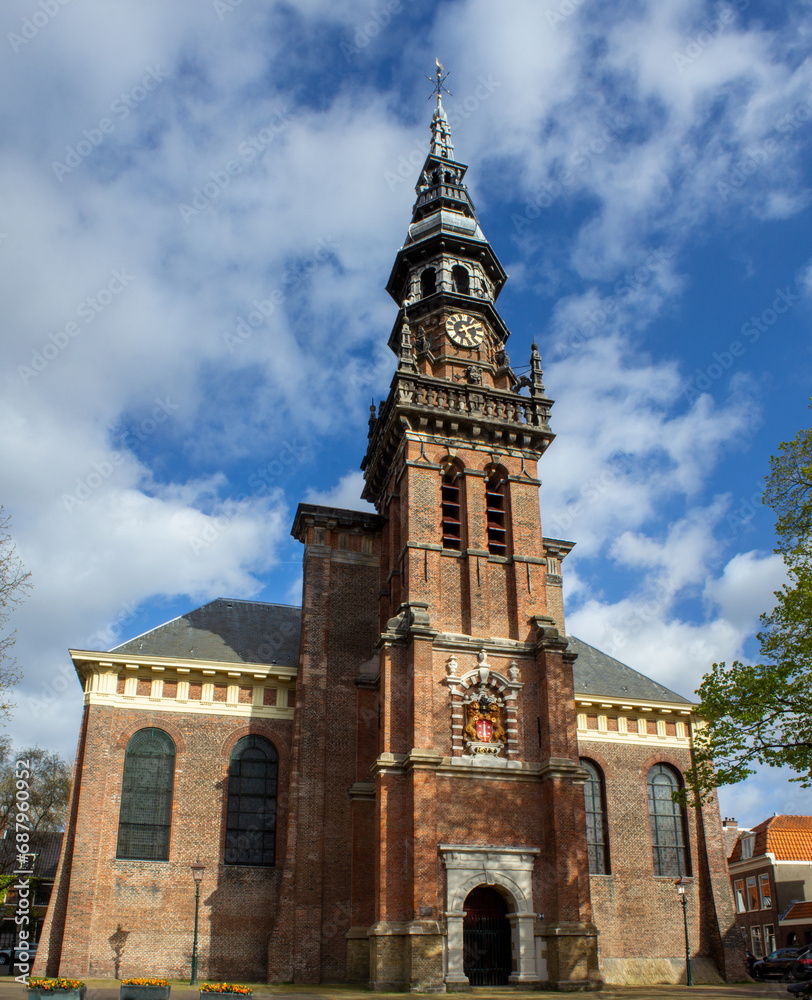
[(129, 992), (224, 996), (53, 994)]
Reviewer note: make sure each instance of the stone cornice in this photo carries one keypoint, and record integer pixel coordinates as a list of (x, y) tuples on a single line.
[(478, 766), (114, 679), (600, 703), (115, 662)]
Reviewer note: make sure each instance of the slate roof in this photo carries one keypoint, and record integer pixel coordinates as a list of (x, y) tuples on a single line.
[(228, 630), (48, 847), (787, 838), (253, 632), (598, 673), (45, 846)]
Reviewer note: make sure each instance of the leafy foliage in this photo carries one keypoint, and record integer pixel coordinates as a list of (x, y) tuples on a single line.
[(48, 787), (14, 582), (762, 714)]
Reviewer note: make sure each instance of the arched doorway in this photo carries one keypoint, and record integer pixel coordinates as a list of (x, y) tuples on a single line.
[(486, 938)]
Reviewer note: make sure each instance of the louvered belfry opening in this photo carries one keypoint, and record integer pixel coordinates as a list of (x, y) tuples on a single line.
[(452, 507), (496, 513), (486, 938)]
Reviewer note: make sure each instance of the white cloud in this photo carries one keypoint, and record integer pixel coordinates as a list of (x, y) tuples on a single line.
[(346, 494)]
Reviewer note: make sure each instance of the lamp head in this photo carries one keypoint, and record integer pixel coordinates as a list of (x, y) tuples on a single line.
[(681, 883), (197, 870)]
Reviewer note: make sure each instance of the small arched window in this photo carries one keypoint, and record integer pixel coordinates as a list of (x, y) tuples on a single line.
[(669, 838), (253, 774), (496, 513), (460, 280), (597, 842), (428, 282), (452, 506), (145, 815)]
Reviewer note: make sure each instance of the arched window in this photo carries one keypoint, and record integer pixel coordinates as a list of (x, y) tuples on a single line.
[(428, 282), (145, 816), (496, 513), (459, 279), (597, 843), (668, 827), (253, 773), (452, 506)]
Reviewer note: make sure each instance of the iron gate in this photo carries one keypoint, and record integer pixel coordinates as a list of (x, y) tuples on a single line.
[(486, 938)]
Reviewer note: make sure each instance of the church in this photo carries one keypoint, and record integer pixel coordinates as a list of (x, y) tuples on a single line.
[(417, 780)]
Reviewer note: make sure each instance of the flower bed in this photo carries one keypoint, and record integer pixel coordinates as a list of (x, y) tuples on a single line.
[(225, 990), (144, 989), (44, 989)]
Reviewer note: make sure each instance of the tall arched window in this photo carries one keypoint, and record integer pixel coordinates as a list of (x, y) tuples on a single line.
[(253, 773), (669, 838), (597, 842), (460, 279), (428, 282), (496, 514), (452, 506), (145, 816)]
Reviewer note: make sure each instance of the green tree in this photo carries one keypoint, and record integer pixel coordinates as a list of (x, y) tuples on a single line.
[(14, 582), (762, 714)]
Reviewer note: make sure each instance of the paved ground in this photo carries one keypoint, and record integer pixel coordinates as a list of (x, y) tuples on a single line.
[(107, 989)]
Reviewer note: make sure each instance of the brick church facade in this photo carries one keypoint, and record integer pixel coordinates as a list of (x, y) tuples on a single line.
[(417, 780)]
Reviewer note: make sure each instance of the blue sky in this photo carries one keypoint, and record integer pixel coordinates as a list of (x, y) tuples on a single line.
[(201, 203)]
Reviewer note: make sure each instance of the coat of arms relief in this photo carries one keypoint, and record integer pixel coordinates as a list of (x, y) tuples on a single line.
[(483, 708)]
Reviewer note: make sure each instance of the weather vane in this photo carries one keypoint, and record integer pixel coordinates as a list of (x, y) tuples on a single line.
[(438, 84)]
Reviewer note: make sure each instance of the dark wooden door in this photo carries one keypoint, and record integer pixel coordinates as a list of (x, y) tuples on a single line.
[(486, 938)]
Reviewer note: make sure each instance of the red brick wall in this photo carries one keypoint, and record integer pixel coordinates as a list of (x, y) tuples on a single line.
[(135, 918), (639, 914)]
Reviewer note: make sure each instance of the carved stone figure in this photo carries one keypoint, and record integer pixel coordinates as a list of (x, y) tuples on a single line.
[(495, 715)]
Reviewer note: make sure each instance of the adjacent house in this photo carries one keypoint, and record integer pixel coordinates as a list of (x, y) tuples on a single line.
[(771, 874)]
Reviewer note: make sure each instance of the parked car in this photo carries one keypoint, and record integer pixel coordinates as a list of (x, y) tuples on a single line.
[(5, 954), (785, 963)]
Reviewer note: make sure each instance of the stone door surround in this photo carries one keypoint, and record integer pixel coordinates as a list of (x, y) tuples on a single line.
[(507, 869)]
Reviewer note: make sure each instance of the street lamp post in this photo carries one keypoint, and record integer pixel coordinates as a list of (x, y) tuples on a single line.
[(197, 875), (681, 883)]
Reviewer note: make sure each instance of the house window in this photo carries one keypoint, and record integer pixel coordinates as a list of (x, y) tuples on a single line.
[(667, 822), (451, 513), (460, 279), (428, 282), (595, 807), (739, 892), (253, 773), (145, 816), (495, 490), (765, 892), (747, 846), (769, 939), (752, 893), (756, 945)]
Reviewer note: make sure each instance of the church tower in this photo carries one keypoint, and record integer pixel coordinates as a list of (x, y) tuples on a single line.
[(468, 803), (416, 780)]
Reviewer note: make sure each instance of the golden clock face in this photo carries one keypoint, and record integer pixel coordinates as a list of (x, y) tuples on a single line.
[(465, 330)]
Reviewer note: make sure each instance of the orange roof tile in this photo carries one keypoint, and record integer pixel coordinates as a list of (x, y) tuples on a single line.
[(788, 838), (798, 911)]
